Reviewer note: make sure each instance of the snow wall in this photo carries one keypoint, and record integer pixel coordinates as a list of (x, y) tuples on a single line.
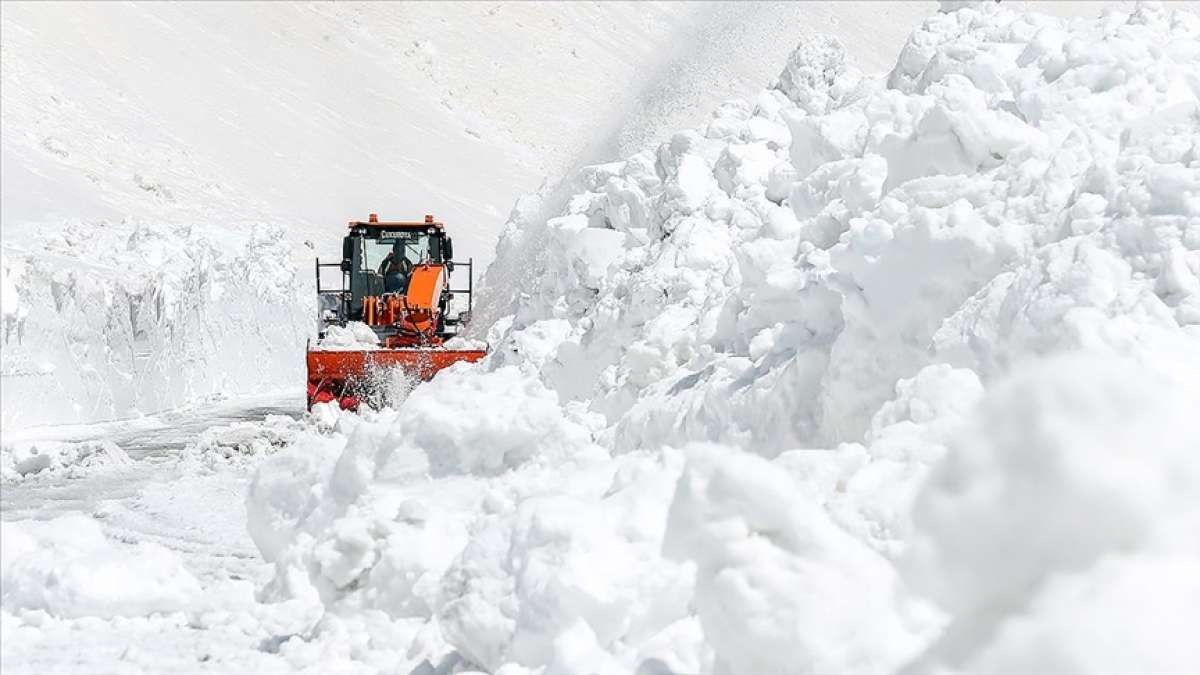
[(106, 320), (864, 376)]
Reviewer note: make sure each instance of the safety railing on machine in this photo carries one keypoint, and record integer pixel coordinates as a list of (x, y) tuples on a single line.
[(469, 290), (342, 292)]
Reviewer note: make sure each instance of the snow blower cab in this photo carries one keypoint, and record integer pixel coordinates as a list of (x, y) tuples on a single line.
[(392, 314)]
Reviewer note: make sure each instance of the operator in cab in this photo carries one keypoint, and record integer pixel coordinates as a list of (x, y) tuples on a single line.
[(396, 269)]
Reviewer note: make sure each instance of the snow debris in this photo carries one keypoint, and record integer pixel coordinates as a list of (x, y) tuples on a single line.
[(58, 458), (459, 342), (68, 568), (354, 335), (816, 77), (928, 344), (241, 445)]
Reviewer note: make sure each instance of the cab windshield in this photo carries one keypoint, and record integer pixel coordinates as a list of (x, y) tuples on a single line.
[(411, 245)]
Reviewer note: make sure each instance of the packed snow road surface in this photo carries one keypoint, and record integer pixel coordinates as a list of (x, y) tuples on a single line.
[(131, 452)]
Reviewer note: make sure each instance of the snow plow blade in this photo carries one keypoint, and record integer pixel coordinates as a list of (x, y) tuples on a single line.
[(346, 375)]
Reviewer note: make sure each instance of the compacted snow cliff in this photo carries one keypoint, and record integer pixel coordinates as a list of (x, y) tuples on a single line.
[(866, 375), (106, 320)]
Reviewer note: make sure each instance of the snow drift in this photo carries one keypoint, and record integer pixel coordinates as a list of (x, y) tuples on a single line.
[(866, 374)]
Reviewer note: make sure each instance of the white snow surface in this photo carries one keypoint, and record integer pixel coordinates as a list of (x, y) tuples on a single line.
[(355, 335), (165, 164), (66, 567), (866, 375), (24, 459), (114, 320)]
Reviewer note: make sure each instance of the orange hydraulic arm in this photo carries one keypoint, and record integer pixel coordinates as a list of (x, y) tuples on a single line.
[(416, 312)]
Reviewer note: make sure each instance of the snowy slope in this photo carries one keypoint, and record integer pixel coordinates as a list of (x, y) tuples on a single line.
[(222, 120), (312, 114), (200, 125), (865, 375)]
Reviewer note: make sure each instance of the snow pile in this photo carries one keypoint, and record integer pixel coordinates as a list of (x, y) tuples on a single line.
[(571, 573), (115, 320), (21, 460), (354, 335), (485, 423), (983, 269), (534, 565), (779, 586), (241, 445), (67, 568), (449, 427), (465, 343), (817, 78), (1066, 510)]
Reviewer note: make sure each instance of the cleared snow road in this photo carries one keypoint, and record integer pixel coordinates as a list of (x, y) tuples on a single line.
[(197, 512), (202, 516)]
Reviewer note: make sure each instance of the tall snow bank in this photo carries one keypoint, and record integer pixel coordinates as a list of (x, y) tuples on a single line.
[(998, 201), (68, 568), (112, 320), (984, 267)]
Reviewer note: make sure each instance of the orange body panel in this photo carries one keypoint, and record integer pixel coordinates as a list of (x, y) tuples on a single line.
[(351, 364), (424, 291), (338, 371), (425, 287)]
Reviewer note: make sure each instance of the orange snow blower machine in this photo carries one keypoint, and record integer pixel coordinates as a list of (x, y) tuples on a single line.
[(395, 279)]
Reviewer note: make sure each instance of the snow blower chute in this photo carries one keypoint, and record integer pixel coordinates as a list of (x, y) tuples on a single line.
[(393, 310)]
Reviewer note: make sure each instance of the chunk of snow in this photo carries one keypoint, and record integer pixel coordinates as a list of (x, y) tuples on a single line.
[(73, 459), (67, 567), (354, 335), (485, 422)]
